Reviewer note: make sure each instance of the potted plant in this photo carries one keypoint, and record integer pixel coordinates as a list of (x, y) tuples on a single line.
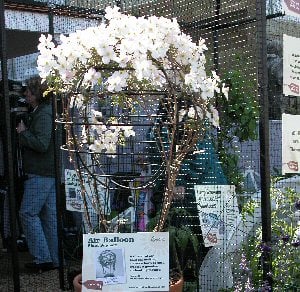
[(132, 62)]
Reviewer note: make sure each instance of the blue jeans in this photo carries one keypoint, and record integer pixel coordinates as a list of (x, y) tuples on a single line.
[(38, 217)]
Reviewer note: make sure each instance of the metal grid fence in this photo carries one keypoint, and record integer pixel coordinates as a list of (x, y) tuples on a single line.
[(245, 49)]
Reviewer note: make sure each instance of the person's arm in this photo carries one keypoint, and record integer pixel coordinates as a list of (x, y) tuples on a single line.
[(38, 138)]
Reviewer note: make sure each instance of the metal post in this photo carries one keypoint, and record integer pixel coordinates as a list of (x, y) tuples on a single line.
[(8, 146), (57, 175), (264, 137), (59, 204), (216, 35)]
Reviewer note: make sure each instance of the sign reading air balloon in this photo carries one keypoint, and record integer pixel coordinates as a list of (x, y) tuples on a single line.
[(291, 65), (290, 143), (119, 262), (291, 7)]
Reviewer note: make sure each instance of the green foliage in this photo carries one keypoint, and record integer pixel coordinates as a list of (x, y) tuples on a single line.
[(239, 113), (183, 241), (238, 119), (284, 248), (248, 208)]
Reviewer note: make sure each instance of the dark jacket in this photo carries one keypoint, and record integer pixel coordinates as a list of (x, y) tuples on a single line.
[(38, 142)]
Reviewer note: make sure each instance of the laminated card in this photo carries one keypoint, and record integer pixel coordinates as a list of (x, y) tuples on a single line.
[(218, 212), (291, 66), (115, 262)]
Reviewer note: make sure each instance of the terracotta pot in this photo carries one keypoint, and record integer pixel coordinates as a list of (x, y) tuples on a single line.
[(178, 286), (77, 283)]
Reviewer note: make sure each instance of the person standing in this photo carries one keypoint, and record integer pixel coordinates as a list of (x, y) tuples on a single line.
[(38, 206)]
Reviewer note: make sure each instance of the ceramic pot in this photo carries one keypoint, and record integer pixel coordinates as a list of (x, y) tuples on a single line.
[(177, 286), (77, 283)]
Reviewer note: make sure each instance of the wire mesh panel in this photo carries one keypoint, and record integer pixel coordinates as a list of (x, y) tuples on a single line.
[(6, 263), (229, 30), (283, 25), (29, 209), (217, 201), (277, 26)]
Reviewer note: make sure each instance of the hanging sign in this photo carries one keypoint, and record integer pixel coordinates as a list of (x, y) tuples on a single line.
[(291, 66), (218, 212), (115, 262), (94, 192), (290, 143), (291, 7)]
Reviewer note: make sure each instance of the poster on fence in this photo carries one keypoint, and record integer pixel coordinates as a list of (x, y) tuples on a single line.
[(115, 262), (290, 143), (143, 199), (218, 212), (73, 189), (291, 7), (291, 66)]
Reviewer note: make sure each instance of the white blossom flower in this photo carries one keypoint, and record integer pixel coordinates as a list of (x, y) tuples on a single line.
[(77, 101), (297, 233), (111, 147), (97, 146), (117, 81), (143, 69), (84, 137), (112, 12), (92, 77), (191, 112), (128, 131), (45, 43), (195, 112), (213, 116), (181, 114), (225, 90)]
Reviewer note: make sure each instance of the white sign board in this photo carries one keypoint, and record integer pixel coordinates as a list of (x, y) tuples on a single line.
[(218, 212), (74, 199), (291, 66), (115, 262), (291, 7), (290, 143)]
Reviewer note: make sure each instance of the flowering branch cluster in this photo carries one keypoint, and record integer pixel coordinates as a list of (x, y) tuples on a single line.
[(133, 54), (108, 135), (123, 60), (144, 44)]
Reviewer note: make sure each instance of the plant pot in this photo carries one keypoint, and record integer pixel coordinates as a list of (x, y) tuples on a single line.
[(177, 286), (77, 283)]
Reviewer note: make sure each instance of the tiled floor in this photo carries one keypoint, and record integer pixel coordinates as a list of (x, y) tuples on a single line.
[(43, 282)]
